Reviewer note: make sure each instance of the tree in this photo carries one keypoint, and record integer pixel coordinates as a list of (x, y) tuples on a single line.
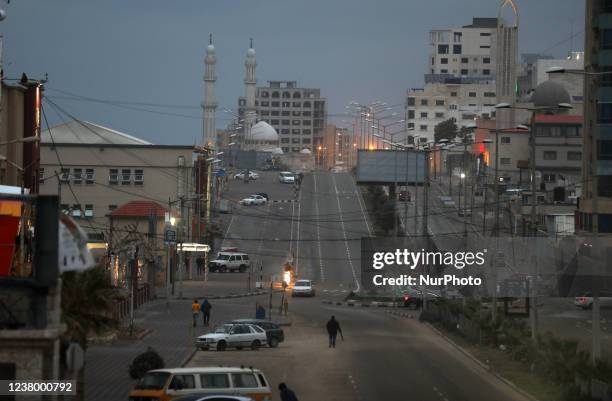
[(447, 129), (148, 360)]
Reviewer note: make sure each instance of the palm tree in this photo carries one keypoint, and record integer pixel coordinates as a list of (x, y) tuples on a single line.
[(87, 307)]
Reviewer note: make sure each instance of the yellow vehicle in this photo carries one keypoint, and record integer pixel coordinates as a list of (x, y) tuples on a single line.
[(168, 384)]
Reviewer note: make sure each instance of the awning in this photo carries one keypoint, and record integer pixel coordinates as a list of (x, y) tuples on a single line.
[(193, 247)]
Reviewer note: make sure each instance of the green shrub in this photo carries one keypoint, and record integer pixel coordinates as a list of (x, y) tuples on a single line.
[(144, 362)]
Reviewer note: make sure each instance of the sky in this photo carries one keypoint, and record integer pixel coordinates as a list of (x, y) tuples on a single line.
[(134, 55)]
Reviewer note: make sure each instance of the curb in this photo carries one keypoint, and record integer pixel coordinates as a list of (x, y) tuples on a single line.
[(228, 296), (374, 304), (482, 364), (188, 357)]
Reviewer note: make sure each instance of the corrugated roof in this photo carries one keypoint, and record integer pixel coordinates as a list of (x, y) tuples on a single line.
[(83, 132), (139, 209), (558, 119)]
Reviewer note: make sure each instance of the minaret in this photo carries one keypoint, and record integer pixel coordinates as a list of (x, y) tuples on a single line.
[(250, 115), (209, 105), (506, 59)]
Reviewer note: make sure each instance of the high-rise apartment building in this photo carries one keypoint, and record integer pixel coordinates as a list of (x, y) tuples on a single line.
[(297, 114), (595, 209), (468, 51)]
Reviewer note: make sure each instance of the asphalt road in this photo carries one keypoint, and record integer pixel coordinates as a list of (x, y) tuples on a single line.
[(382, 357)]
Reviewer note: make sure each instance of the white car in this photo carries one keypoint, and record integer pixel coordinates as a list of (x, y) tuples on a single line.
[(585, 299), (253, 200), (303, 288), (286, 177), (252, 175), (233, 336)]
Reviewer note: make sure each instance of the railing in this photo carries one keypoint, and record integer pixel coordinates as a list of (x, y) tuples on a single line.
[(141, 296)]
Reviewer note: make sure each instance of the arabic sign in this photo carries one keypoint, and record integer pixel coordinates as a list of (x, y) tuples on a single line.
[(73, 251)]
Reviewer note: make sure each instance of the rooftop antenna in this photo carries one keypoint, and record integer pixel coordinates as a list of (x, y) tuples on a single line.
[(210, 39)]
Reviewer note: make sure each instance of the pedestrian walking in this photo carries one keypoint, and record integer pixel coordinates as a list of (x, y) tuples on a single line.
[(195, 310), (200, 264), (205, 308), (260, 311), (333, 328), (285, 306), (286, 393)]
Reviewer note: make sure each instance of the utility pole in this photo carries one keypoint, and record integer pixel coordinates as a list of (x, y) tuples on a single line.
[(416, 187), (426, 194), (496, 184), (182, 254), (534, 229), (464, 182)]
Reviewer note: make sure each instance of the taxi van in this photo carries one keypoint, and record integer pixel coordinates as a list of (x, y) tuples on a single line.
[(168, 384)]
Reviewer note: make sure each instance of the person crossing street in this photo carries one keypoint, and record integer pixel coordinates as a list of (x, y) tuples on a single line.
[(333, 328)]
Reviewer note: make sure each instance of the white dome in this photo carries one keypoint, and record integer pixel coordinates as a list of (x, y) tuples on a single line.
[(251, 52), (210, 49), (277, 151), (305, 151), (262, 131)]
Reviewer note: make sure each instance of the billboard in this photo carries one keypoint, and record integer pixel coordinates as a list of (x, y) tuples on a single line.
[(391, 166)]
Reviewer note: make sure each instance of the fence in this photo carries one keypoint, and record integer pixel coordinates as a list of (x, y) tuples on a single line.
[(122, 308)]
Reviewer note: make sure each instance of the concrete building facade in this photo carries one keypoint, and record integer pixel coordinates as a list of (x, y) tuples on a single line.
[(297, 114), (95, 170)]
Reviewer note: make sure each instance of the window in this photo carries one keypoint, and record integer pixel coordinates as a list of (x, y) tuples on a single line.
[(550, 155), (439, 102), (505, 139), (138, 177), (297, 104), (306, 140), (423, 114), (472, 94), (465, 71), (410, 125), (306, 122), (604, 113), (505, 161), (410, 114), (265, 104), (457, 37), (41, 174), (265, 94), (443, 71), (453, 94), (297, 114), (89, 210), (411, 101), (549, 177), (113, 176), (89, 176), (306, 104), (274, 122), (574, 155), (295, 140), (485, 47), (297, 95), (439, 115), (284, 140), (489, 94), (295, 131), (606, 39), (126, 176), (214, 380), (286, 122), (306, 132), (264, 113), (180, 382), (285, 149), (76, 210), (65, 175), (244, 380), (424, 102), (275, 94), (442, 49), (306, 113), (485, 34), (444, 60), (452, 107), (464, 60), (604, 150), (286, 95), (112, 207), (423, 127), (486, 72), (286, 104), (285, 131), (295, 122), (486, 60), (274, 113), (456, 49)]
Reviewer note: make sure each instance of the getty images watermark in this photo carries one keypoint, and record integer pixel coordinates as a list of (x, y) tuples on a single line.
[(411, 260)]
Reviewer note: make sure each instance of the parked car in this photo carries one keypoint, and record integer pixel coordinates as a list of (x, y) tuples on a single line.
[(253, 200), (274, 332), (413, 297), (230, 261), (232, 335), (404, 196), (203, 383), (447, 201), (286, 177), (303, 288), (241, 175), (585, 299), (265, 195)]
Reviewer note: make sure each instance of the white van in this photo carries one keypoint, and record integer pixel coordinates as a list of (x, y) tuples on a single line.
[(230, 261), (167, 384)]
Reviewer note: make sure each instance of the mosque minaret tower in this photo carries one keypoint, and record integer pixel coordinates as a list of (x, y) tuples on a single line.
[(250, 117), (209, 105)]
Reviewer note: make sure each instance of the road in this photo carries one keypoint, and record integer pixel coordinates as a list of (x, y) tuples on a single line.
[(383, 357)]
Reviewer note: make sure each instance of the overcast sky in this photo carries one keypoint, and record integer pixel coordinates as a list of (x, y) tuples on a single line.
[(152, 51)]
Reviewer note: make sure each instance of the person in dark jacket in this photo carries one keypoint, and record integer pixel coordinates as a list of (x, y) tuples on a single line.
[(333, 328), (205, 308), (286, 393)]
